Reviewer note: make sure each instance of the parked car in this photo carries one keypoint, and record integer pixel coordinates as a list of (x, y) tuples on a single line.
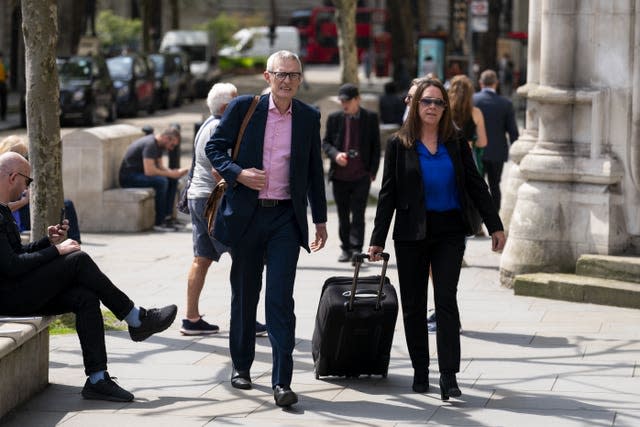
[(201, 48), (183, 65), (167, 80), (86, 90), (134, 81)]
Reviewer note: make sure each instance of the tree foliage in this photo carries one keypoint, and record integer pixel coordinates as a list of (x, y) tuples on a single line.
[(116, 32)]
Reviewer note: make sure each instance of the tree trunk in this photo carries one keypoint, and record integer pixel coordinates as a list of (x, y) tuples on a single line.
[(175, 14), (346, 25), (40, 29), (403, 52), (145, 6), (487, 55)]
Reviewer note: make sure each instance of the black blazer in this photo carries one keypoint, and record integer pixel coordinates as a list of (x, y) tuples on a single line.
[(306, 175), (333, 142), (402, 191)]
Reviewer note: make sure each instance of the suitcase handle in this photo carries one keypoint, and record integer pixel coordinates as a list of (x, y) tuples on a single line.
[(358, 259)]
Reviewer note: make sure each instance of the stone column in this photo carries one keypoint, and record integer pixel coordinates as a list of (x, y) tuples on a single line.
[(529, 135), (570, 201)]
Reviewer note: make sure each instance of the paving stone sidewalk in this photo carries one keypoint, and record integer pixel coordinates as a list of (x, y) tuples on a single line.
[(526, 361)]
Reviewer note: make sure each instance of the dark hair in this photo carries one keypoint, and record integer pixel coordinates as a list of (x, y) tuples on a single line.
[(461, 99), (412, 127)]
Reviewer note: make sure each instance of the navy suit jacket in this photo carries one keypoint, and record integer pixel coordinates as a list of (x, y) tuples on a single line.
[(306, 175), (499, 120)]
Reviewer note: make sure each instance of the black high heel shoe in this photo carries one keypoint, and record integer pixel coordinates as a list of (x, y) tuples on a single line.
[(449, 386), (420, 382)]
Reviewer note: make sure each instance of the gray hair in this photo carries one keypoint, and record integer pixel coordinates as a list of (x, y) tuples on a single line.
[(488, 78), (219, 96), (281, 56)]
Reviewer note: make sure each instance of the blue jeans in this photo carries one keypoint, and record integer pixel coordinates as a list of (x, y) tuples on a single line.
[(165, 194)]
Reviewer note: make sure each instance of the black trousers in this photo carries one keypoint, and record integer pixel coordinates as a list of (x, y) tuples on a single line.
[(442, 250), (493, 171), (69, 283), (351, 202)]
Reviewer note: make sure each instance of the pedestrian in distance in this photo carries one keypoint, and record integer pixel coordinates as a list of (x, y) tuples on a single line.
[(352, 142), (53, 276), (263, 215), (142, 166), (430, 181), (206, 249), (500, 121)]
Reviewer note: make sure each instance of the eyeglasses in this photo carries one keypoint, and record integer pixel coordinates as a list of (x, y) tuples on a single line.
[(425, 102), (26, 177), (281, 75)]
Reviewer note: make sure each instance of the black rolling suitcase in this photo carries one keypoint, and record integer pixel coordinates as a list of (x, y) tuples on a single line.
[(354, 324)]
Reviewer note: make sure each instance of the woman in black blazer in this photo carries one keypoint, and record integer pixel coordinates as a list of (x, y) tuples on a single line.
[(432, 184)]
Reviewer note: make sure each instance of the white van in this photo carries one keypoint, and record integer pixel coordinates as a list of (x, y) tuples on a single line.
[(200, 47), (252, 46)]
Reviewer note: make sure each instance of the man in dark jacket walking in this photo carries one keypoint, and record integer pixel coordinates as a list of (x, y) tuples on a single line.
[(352, 142), (500, 120)]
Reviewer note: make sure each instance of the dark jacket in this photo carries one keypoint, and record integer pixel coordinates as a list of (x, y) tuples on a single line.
[(333, 142), (402, 191), (17, 259), (499, 120), (306, 175)]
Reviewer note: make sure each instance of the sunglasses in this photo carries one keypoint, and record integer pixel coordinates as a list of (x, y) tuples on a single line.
[(26, 177), (425, 102), (281, 75)]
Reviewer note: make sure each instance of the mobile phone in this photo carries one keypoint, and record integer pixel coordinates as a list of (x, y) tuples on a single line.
[(61, 215)]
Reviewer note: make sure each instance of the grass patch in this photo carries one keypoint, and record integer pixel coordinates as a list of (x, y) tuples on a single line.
[(66, 323)]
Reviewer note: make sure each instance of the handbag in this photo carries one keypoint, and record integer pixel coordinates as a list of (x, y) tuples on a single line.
[(183, 204), (213, 202)]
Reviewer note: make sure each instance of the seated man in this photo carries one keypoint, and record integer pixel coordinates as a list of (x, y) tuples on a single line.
[(53, 276), (142, 167)]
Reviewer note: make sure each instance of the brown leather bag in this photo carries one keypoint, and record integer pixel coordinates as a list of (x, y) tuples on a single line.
[(211, 208)]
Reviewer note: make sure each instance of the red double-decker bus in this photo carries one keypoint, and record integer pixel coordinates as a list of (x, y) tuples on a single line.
[(319, 36)]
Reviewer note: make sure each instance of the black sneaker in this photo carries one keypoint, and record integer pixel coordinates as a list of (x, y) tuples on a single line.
[(106, 389), (198, 328), (261, 330), (153, 321)]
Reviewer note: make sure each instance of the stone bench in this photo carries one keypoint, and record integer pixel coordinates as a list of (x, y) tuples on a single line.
[(24, 359), (90, 164)]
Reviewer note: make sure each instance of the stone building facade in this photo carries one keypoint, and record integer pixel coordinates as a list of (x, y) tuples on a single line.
[(575, 188)]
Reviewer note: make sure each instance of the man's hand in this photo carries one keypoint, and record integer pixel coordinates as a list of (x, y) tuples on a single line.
[(374, 253), (342, 159), (58, 233), (68, 246), (321, 238), (216, 175), (252, 178), (498, 240), (179, 173)]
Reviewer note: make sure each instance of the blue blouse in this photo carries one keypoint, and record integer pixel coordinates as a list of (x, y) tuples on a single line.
[(438, 179)]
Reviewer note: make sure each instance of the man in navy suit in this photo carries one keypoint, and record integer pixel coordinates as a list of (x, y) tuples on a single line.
[(500, 120), (263, 215)]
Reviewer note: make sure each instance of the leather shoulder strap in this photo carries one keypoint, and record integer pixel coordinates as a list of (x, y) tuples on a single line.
[(247, 117)]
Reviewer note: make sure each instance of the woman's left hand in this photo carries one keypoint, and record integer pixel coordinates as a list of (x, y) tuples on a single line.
[(498, 239)]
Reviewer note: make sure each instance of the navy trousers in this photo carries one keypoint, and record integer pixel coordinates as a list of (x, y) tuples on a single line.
[(272, 240)]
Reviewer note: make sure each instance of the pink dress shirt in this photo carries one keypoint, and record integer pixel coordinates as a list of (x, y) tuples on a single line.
[(276, 154)]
